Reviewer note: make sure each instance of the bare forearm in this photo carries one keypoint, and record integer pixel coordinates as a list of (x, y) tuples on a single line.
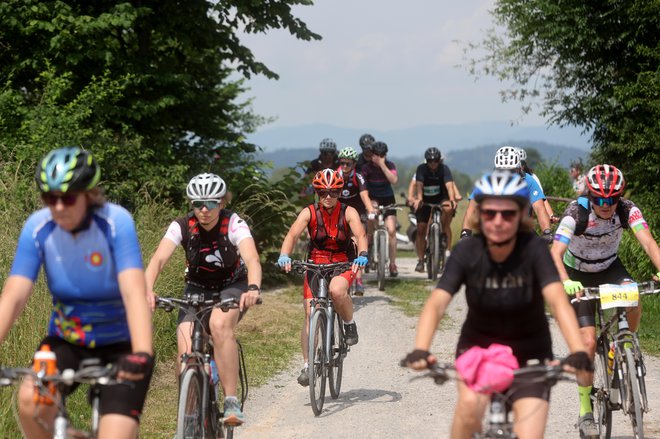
[(138, 315), (429, 318)]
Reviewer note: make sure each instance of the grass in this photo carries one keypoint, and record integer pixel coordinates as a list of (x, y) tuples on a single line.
[(408, 295)]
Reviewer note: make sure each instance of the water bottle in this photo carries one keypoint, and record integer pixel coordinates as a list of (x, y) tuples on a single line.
[(610, 360), (46, 363)]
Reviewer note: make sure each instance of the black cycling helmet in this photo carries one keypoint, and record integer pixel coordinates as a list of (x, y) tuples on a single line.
[(366, 139), (67, 169), (379, 148), (432, 153)]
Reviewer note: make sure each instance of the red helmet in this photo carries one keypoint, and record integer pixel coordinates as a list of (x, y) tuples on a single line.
[(605, 181), (328, 179)]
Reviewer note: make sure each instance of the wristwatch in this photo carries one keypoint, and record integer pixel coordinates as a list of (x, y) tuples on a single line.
[(254, 287)]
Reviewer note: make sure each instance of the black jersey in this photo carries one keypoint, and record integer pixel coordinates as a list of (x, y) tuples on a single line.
[(505, 300), (434, 189)]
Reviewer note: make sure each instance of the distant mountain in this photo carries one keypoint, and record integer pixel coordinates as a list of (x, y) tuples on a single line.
[(473, 161), (415, 140)]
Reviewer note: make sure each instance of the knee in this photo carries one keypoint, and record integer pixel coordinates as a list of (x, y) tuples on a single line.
[(589, 343), (26, 403), (338, 294), (221, 331)]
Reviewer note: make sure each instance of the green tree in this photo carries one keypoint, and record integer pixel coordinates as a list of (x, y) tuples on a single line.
[(592, 64)]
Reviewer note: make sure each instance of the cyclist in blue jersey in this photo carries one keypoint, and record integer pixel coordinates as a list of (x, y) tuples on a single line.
[(508, 158), (93, 265), (221, 257), (380, 174)]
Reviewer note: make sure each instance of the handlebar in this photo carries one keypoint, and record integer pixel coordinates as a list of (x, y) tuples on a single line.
[(197, 301), (92, 375), (593, 293), (301, 266)]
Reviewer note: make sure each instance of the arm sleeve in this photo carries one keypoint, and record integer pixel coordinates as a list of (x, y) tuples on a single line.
[(27, 260), (535, 192), (238, 230), (447, 173), (174, 233), (126, 246)]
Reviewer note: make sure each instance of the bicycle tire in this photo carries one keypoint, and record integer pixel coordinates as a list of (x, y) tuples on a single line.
[(317, 361), (442, 257), (337, 354), (634, 406), (434, 252), (229, 434), (600, 393), (381, 249), (189, 423)]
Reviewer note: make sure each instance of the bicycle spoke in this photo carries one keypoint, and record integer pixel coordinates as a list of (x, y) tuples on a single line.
[(189, 417), (600, 394), (317, 361)]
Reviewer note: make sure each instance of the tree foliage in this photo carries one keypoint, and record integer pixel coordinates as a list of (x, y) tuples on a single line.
[(593, 64)]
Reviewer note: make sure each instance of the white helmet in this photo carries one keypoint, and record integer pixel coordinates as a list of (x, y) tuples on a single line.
[(522, 153), (206, 187), (507, 157)]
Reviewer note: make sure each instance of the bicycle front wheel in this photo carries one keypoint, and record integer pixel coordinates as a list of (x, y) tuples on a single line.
[(634, 406), (600, 393), (337, 354), (381, 248), (434, 252), (189, 415), (317, 361)]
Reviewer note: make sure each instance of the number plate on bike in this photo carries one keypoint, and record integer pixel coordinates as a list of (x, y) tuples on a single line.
[(615, 296)]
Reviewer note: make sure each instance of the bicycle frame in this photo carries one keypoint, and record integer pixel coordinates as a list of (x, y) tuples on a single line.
[(200, 356)]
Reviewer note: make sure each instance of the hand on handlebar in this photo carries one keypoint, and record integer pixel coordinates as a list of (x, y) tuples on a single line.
[(134, 366), (151, 300), (573, 287), (419, 359), (248, 299), (360, 261), (284, 261), (371, 215)]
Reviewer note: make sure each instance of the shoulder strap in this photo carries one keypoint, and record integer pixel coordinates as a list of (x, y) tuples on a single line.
[(584, 208), (623, 210), (188, 228)]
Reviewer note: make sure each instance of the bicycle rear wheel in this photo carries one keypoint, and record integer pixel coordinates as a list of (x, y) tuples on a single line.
[(337, 352), (317, 361), (634, 405), (190, 411), (381, 249), (600, 393)]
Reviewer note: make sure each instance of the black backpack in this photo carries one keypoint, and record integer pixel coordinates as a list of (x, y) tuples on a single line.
[(584, 208)]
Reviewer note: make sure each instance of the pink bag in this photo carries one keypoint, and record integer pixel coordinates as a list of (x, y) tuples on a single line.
[(487, 370)]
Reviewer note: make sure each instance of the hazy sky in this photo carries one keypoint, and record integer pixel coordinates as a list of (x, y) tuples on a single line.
[(382, 64)]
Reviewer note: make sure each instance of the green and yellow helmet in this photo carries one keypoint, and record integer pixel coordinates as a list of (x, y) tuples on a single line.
[(348, 153), (68, 169)]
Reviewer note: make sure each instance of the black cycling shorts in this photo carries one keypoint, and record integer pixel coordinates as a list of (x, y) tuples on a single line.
[(386, 201), (124, 398), (424, 212), (616, 273)]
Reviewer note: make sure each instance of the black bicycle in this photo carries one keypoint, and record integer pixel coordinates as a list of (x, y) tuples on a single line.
[(436, 242), (499, 421), (380, 244), (198, 414), (90, 372), (619, 381), (327, 346)]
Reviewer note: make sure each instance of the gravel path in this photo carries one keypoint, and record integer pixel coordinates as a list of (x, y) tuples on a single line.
[(379, 399)]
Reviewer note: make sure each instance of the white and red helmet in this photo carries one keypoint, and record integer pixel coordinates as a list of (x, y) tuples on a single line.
[(605, 181)]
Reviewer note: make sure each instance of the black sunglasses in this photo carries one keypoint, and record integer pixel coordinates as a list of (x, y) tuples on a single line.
[(51, 199), (334, 193), (507, 215)]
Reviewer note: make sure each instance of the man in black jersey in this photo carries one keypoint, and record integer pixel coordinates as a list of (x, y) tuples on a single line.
[(434, 187)]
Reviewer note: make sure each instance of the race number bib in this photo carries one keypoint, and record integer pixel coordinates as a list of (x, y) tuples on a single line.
[(615, 296)]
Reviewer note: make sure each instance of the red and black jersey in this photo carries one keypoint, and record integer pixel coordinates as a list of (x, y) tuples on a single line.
[(329, 235)]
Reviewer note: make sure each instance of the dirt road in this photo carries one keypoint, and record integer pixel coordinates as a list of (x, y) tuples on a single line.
[(378, 398)]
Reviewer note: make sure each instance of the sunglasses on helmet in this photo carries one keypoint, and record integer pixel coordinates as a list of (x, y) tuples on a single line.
[(51, 199), (209, 204)]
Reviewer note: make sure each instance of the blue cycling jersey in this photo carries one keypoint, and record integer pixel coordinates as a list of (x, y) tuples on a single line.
[(81, 272), (535, 191)]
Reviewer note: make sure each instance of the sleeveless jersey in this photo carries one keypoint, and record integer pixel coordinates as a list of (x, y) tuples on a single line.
[(81, 272), (329, 235)]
